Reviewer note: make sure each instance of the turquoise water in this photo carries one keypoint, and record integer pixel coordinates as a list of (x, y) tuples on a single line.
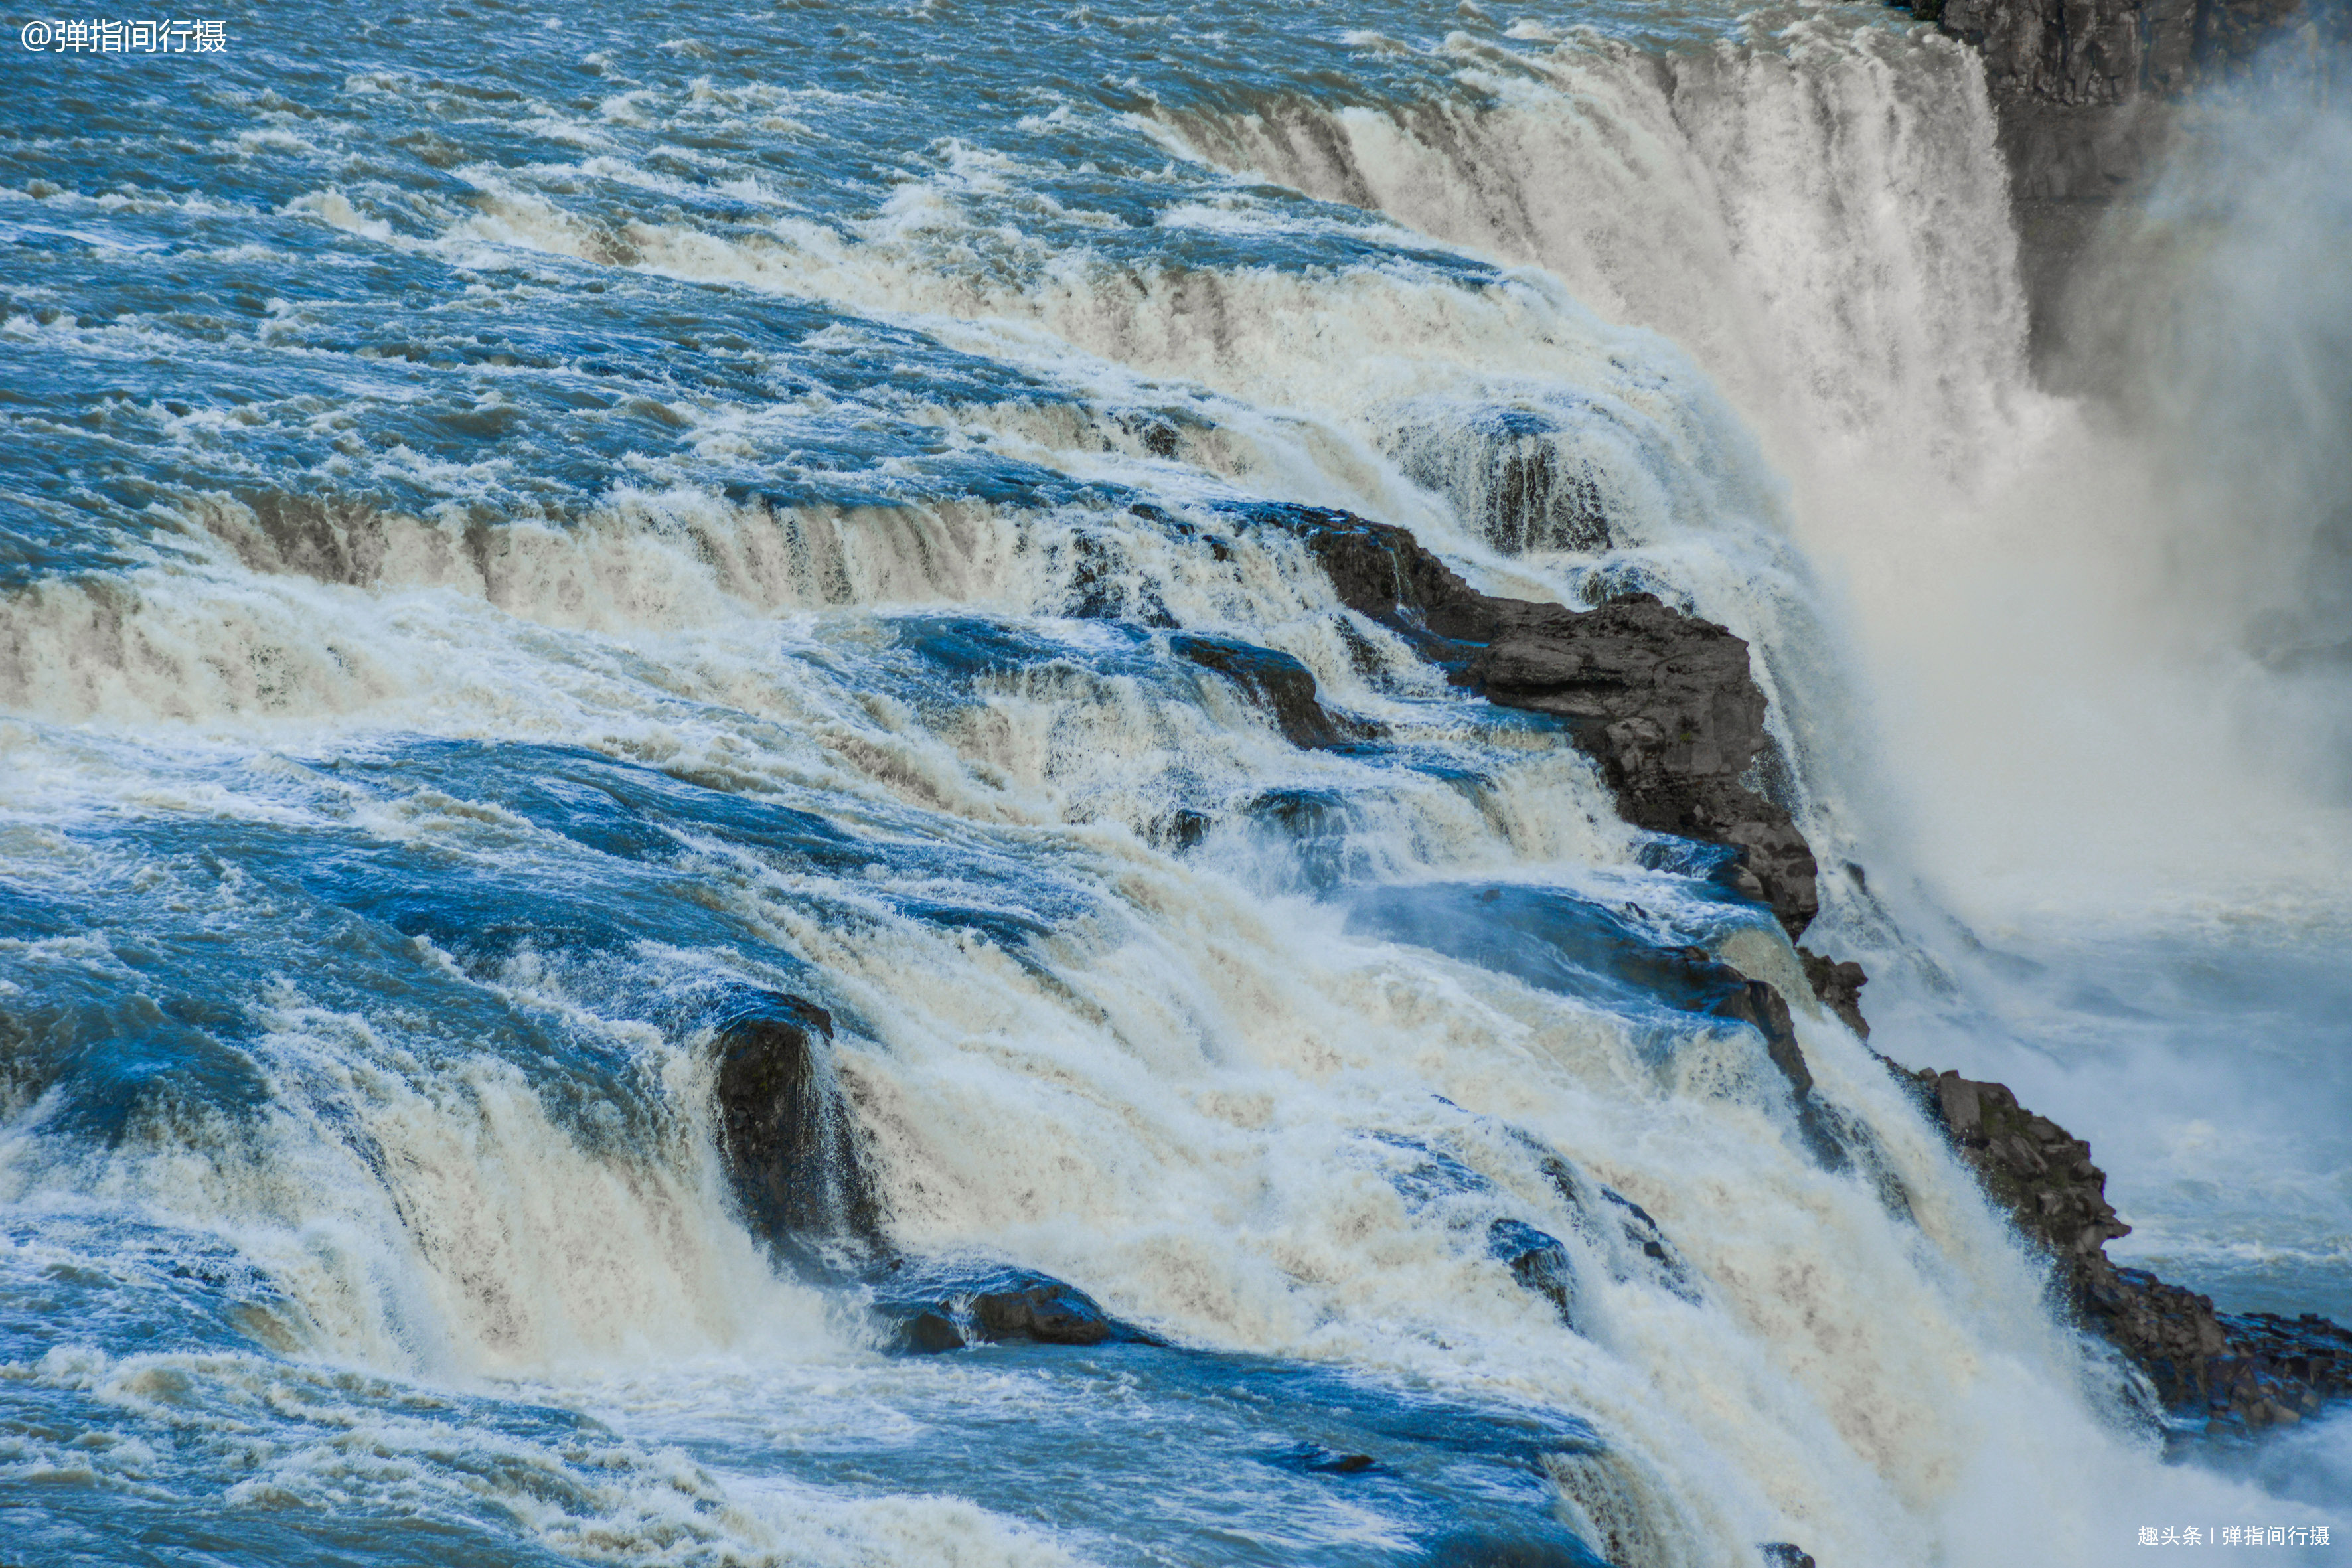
[(522, 524)]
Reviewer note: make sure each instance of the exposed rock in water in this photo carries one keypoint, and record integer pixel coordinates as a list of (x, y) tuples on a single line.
[(1274, 681), (1759, 1005), (944, 1306), (1663, 701), (1839, 986), (1537, 1262), (2255, 1369), (1628, 1239), (1782, 1555), (789, 1146), (1513, 473), (1314, 1459), (793, 1156)]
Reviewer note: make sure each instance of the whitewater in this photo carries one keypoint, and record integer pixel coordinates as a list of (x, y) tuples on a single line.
[(522, 527)]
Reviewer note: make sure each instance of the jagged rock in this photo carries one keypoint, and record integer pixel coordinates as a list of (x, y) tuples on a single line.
[(2255, 1369), (1663, 701), (2030, 1164), (1666, 703), (790, 1149), (1274, 681), (2087, 53), (794, 1159), (937, 1307), (1839, 987), (1627, 1238)]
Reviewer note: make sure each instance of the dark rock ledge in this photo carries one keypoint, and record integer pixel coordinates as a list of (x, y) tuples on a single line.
[(2254, 1369), (1663, 701), (2088, 96), (1666, 703), (802, 1178)]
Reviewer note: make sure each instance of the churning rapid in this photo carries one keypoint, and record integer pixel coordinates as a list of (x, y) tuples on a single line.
[(543, 543)]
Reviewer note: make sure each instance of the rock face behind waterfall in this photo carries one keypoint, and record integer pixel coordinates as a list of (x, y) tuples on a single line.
[(1663, 701), (2087, 95), (2255, 1369)]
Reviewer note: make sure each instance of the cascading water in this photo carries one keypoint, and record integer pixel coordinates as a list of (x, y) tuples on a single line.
[(515, 563)]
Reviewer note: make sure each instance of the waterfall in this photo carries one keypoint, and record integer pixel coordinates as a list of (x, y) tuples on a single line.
[(669, 543)]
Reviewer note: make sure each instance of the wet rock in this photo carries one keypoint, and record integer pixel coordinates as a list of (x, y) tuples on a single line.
[(1274, 681), (1314, 824), (2032, 1166), (1514, 473), (2252, 1370), (1185, 828), (2088, 96), (1758, 1004), (1663, 701), (1537, 1262), (1666, 703), (1314, 1459), (1618, 1229), (789, 1146), (1839, 987), (942, 1307), (1782, 1555)]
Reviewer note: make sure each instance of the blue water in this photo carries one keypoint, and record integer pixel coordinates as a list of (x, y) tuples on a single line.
[(519, 524)]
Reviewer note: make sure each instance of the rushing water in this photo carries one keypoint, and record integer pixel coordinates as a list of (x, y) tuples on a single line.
[(522, 521)]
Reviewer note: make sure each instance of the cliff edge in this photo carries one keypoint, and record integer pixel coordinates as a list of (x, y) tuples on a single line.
[(2089, 95)]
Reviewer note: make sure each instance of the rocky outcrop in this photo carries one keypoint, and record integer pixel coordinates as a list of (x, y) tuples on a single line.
[(940, 1307), (1663, 701), (1839, 986), (1507, 469), (793, 1156), (2254, 1370), (1274, 681), (2089, 54), (786, 1139), (1757, 1004), (1666, 703), (2086, 96)]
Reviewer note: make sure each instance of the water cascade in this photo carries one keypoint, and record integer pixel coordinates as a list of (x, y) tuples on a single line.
[(909, 787)]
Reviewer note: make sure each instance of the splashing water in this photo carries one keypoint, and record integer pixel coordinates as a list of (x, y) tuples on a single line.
[(506, 552)]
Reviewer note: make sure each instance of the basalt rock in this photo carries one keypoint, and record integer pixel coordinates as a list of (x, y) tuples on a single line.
[(1839, 986), (1274, 681), (1663, 701), (793, 1156), (943, 1307), (2087, 97), (788, 1143), (1314, 1459), (2255, 1369)]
